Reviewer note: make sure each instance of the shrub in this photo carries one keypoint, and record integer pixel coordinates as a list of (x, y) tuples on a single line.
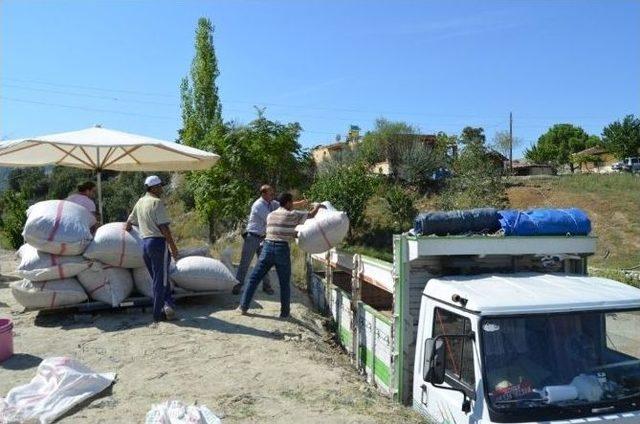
[(14, 216), (401, 207), (348, 188)]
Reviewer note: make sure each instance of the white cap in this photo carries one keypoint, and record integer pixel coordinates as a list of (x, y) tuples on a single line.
[(152, 180)]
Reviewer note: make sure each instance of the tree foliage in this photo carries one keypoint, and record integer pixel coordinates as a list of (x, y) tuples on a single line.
[(419, 162), (622, 138), (502, 142), (13, 215), (348, 188), (387, 142), (556, 146), (401, 203), (477, 180)]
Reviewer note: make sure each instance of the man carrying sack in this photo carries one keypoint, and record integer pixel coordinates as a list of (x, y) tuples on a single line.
[(150, 216)]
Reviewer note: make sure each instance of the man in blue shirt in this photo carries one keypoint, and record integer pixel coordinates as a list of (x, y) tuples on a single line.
[(255, 234)]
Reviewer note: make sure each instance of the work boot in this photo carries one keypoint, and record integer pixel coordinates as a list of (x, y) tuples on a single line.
[(237, 289), (169, 313)]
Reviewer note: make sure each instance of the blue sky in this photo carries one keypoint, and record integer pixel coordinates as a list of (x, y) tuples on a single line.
[(327, 64)]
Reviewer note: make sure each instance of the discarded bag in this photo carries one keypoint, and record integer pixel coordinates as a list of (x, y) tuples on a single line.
[(107, 284), (59, 227), (48, 294), (324, 231), (59, 385), (198, 273), (545, 222), (114, 245), (42, 266), (482, 220), (176, 412)]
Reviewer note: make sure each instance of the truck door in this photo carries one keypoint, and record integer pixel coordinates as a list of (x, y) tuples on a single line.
[(440, 404)]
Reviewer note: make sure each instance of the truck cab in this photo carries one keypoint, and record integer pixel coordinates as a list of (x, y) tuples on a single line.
[(528, 348)]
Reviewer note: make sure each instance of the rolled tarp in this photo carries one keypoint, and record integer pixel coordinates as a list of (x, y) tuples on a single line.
[(545, 222), (472, 221)]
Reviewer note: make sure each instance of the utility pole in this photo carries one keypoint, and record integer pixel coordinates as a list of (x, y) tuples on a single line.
[(510, 143)]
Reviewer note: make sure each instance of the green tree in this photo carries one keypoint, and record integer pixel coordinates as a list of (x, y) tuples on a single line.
[(472, 135), (477, 180), (558, 144), (13, 216), (387, 141), (64, 180), (33, 183), (623, 138), (402, 208), (348, 188)]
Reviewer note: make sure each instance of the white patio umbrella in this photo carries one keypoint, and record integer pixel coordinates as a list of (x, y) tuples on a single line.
[(101, 149)]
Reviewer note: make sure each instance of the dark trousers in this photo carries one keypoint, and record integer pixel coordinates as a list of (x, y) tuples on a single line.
[(156, 257), (273, 254)]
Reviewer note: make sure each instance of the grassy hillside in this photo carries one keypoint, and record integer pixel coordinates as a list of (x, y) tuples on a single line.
[(612, 202)]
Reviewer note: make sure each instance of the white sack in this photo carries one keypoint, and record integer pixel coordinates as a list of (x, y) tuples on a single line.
[(198, 273), (176, 412), (59, 227), (48, 294), (143, 282), (113, 245), (106, 283), (59, 385), (324, 231), (42, 266)]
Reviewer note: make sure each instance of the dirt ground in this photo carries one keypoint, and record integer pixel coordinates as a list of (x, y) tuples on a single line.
[(251, 369)]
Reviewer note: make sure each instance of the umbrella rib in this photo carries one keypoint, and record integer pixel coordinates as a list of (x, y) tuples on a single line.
[(108, 155), (17, 150), (88, 158), (70, 154), (180, 153), (126, 152)]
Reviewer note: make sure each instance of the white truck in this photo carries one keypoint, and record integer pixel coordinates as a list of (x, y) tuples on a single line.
[(488, 329)]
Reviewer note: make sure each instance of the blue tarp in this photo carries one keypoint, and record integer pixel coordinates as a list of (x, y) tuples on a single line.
[(484, 220), (545, 222)]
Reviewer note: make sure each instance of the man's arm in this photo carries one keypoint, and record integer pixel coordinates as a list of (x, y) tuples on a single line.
[(315, 210), (300, 204), (166, 232), (131, 220)]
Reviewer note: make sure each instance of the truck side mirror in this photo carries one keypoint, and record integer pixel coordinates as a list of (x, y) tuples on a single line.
[(435, 358)]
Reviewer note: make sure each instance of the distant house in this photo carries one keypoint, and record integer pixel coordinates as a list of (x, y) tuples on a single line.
[(594, 160), (522, 169), (331, 151)]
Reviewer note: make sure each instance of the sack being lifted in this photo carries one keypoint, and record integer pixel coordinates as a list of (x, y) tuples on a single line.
[(42, 266), (59, 227), (114, 245), (48, 294), (324, 231), (107, 284), (197, 273)]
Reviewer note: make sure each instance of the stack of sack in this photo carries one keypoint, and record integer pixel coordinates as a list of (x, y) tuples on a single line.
[(62, 264), (324, 231)]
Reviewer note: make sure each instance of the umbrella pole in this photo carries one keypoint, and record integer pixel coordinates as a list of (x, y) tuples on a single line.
[(99, 177)]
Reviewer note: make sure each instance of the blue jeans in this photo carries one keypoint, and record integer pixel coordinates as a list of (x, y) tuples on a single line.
[(156, 257), (273, 253), (250, 248)]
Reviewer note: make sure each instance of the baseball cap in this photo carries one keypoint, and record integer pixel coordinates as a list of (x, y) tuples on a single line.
[(152, 180)]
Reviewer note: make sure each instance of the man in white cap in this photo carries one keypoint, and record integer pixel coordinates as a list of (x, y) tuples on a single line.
[(150, 216)]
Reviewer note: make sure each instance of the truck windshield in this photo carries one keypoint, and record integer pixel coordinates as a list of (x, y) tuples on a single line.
[(562, 360)]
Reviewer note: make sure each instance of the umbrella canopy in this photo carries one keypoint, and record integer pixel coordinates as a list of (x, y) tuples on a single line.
[(99, 149)]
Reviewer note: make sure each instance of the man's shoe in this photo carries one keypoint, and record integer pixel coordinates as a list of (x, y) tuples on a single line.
[(169, 313), (241, 311), (285, 316), (237, 288), (268, 289)]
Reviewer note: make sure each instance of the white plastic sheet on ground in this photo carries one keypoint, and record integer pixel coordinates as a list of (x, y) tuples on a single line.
[(198, 273), (59, 227), (114, 245), (42, 266), (324, 231), (60, 384), (176, 412)]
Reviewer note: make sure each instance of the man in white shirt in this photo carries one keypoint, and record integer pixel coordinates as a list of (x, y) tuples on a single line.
[(255, 234)]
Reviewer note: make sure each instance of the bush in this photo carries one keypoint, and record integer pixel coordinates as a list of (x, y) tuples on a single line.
[(401, 207), (348, 188), (14, 216)]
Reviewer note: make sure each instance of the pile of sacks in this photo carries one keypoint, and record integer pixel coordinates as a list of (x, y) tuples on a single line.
[(63, 264)]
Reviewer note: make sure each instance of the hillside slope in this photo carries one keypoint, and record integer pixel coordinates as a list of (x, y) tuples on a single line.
[(612, 202)]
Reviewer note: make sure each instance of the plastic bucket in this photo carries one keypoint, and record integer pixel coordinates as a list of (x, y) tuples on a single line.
[(6, 339)]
